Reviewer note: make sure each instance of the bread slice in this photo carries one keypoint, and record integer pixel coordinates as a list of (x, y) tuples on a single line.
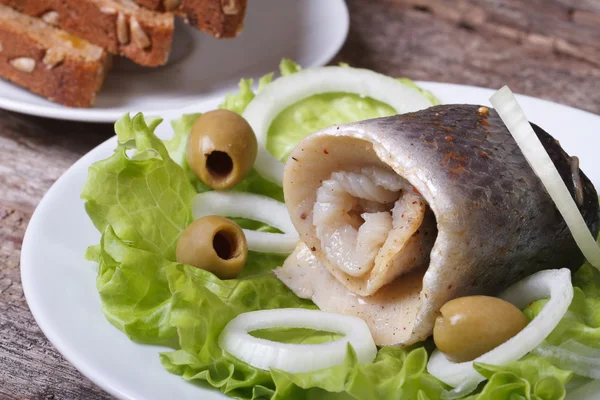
[(159, 5), (120, 26), (49, 61), (220, 18)]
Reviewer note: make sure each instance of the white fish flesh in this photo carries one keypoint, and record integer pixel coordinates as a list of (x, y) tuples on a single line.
[(441, 196)]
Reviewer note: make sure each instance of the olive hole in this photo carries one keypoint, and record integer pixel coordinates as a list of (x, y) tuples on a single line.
[(219, 164), (225, 245)]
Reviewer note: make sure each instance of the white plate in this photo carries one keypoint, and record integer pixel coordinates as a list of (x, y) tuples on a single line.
[(60, 285), (202, 69)]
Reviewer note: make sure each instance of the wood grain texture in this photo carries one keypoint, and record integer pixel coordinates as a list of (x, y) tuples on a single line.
[(399, 38), (34, 152), (535, 47)]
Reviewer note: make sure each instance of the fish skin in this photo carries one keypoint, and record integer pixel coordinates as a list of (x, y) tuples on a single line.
[(496, 222)]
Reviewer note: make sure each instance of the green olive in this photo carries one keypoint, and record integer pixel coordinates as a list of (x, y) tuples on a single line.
[(471, 326), (221, 149), (214, 244)]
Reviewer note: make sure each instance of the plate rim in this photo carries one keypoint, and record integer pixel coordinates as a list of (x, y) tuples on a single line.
[(99, 115), (28, 267), (53, 336)]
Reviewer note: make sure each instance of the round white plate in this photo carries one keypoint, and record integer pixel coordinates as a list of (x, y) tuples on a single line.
[(60, 285), (202, 69)]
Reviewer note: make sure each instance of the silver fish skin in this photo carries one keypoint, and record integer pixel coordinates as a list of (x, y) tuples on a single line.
[(496, 223)]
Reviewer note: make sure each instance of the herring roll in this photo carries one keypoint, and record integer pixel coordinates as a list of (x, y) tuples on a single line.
[(407, 212)]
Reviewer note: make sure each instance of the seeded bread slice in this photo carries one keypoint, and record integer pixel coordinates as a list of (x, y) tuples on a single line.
[(120, 26), (220, 18), (48, 61), (159, 5)]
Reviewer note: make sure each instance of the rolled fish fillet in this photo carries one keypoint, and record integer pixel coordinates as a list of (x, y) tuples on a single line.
[(398, 215)]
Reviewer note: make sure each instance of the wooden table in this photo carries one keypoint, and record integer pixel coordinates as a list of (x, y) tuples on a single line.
[(543, 48)]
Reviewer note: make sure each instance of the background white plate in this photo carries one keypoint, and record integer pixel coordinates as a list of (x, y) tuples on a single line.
[(60, 285), (202, 69)]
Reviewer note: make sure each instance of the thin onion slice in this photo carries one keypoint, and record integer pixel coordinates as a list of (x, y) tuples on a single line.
[(287, 90), (295, 358), (589, 391), (573, 356), (243, 205), (255, 207), (555, 284), (267, 242), (515, 120)]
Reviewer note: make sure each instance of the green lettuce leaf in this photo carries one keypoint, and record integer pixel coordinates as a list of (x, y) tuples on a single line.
[(531, 378), (141, 204), (288, 67), (144, 198), (134, 290), (238, 102), (177, 145), (318, 112), (394, 374)]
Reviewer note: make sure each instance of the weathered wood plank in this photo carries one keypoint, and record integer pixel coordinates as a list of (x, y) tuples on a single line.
[(34, 152), (546, 18), (586, 5), (405, 41), (547, 25), (31, 367)]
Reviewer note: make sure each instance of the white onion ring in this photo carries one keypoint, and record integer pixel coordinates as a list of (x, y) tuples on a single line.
[(288, 90), (589, 391), (555, 284), (295, 358), (268, 242), (515, 120), (254, 207), (573, 356)]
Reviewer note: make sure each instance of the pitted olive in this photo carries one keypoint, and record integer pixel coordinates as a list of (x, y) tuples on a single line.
[(221, 149), (214, 244)]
